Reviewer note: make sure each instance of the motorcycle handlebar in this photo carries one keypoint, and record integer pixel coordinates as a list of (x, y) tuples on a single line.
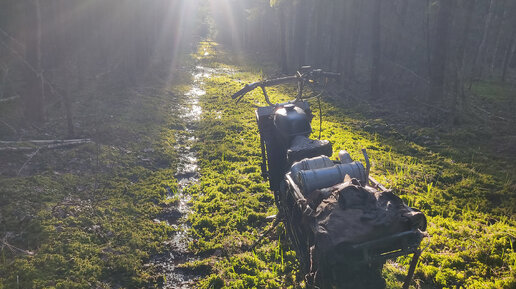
[(246, 89), (300, 77), (331, 74), (269, 82)]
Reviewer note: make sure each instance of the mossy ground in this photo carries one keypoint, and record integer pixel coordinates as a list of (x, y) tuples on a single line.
[(83, 217), (470, 207)]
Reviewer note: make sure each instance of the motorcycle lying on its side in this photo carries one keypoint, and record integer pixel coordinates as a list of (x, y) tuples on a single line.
[(342, 223)]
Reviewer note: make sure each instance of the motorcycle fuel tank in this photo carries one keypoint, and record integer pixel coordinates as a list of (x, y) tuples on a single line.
[(291, 120)]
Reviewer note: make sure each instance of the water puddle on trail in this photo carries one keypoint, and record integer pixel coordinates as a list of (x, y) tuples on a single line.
[(187, 174)]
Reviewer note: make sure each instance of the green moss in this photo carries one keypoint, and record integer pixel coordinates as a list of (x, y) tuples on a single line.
[(471, 237), (85, 217)]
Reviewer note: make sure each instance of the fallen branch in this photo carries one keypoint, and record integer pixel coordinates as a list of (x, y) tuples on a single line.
[(9, 98), (41, 144), (489, 113), (28, 161), (14, 249), (9, 126), (51, 141), (13, 149)]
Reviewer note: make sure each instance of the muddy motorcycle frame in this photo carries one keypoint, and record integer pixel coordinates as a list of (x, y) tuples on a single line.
[(285, 147)]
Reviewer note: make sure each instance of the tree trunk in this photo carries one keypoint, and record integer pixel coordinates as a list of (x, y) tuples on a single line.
[(33, 93), (461, 71), (351, 38), (376, 49), (283, 39), (439, 52), (333, 36), (400, 31), (508, 55), (39, 55), (300, 32), (480, 55)]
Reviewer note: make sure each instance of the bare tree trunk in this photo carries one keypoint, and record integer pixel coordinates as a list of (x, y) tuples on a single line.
[(351, 38), (440, 51), (480, 55), (341, 36), (333, 36), (461, 71), (300, 32), (496, 49), (400, 31), (509, 52), (65, 101), (283, 46), (312, 40), (33, 94), (427, 38), (39, 66), (376, 49)]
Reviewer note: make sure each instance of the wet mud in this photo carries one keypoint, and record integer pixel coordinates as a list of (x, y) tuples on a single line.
[(187, 174)]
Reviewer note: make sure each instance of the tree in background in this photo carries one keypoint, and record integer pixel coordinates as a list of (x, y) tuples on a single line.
[(439, 52), (376, 49)]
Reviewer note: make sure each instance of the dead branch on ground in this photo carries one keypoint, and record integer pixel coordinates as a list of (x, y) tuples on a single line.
[(41, 144)]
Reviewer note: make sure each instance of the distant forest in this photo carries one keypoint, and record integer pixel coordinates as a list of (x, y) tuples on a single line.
[(430, 50), (49, 50)]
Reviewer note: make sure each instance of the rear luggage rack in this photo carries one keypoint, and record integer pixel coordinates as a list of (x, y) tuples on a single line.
[(389, 247), (377, 250)]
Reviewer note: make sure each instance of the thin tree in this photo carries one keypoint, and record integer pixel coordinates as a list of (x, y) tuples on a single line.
[(440, 51), (480, 55), (376, 49), (33, 92)]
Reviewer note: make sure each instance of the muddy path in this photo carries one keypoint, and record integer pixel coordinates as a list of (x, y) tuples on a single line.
[(187, 175)]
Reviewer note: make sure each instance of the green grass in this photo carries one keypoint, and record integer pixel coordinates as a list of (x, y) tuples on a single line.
[(470, 209)]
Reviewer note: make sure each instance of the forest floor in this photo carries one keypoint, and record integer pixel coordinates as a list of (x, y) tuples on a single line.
[(127, 211), (101, 214)]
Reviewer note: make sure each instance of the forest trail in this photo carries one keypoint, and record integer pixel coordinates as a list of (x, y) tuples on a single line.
[(187, 175)]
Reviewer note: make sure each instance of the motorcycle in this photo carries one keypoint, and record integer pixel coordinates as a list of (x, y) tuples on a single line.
[(342, 223)]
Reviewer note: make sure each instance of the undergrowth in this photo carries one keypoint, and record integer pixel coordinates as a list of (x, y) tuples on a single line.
[(470, 210)]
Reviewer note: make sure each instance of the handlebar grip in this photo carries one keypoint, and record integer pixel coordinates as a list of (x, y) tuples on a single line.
[(246, 89), (241, 92), (331, 74)]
